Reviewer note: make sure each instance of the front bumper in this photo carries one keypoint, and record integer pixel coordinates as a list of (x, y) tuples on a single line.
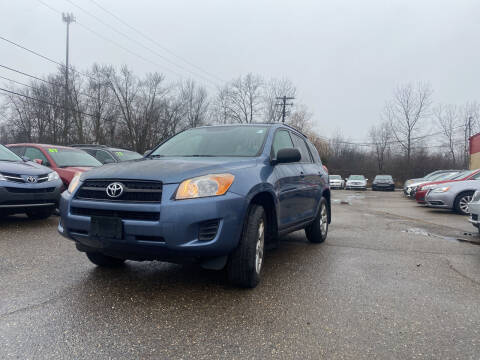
[(474, 208), (385, 186), (17, 197), (336, 185), (439, 200), (173, 237), (356, 186)]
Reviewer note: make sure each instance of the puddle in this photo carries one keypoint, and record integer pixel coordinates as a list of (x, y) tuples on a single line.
[(343, 202), (423, 232)]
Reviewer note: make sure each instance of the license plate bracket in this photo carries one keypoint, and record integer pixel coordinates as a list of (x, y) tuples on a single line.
[(105, 227)]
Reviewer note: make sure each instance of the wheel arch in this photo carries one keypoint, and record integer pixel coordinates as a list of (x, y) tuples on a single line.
[(265, 196), (327, 195)]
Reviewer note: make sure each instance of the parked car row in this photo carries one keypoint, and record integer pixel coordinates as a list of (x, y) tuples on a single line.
[(456, 190), (32, 176), (359, 182)]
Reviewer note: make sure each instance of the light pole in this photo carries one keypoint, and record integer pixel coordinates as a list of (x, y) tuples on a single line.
[(67, 18)]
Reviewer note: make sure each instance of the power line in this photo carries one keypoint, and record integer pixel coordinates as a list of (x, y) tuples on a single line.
[(284, 104), (139, 43), (155, 42)]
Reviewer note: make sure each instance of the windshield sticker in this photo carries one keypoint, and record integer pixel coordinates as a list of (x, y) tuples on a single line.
[(53, 150), (260, 132), (119, 153)]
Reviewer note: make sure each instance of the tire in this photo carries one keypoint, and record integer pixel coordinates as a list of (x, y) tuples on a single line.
[(102, 260), (40, 214), (317, 231), (245, 263), (461, 202)]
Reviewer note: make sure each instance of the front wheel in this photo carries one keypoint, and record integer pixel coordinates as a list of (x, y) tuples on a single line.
[(246, 261), (317, 231), (462, 201)]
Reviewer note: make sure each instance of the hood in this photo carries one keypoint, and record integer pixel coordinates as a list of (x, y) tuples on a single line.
[(23, 168), (464, 185), (169, 170), (75, 169), (360, 181)]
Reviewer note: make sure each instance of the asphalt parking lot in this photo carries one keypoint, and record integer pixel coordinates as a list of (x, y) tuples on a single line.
[(393, 280)]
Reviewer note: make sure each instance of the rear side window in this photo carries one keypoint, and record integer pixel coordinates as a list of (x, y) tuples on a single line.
[(302, 147), (282, 140), (104, 157), (313, 150)]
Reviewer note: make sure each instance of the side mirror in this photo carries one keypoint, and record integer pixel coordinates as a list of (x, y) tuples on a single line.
[(25, 158), (147, 152), (38, 161), (288, 155)]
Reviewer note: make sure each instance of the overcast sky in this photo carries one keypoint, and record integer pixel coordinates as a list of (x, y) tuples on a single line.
[(345, 57)]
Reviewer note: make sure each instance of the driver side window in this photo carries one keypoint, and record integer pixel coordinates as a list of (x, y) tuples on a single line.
[(281, 140), (34, 153)]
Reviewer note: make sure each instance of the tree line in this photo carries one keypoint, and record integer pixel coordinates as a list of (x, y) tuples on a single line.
[(116, 107)]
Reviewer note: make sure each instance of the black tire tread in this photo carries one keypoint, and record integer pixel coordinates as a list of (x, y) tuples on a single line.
[(312, 231), (241, 265)]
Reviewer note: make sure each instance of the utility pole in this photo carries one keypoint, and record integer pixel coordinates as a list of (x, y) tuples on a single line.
[(469, 136), (284, 105), (67, 18)]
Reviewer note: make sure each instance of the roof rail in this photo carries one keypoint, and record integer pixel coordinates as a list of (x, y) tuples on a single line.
[(88, 145)]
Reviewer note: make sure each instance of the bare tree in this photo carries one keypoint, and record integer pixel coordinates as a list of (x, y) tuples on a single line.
[(301, 119), (380, 136), (447, 118), (274, 89), (409, 106), (194, 99)]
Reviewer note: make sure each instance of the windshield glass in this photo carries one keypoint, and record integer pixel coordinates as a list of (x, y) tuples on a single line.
[(215, 141), (8, 155), (356, 177), (383, 177), (463, 174), (125, 155), (446, 176), (72, 157), (335, 177)]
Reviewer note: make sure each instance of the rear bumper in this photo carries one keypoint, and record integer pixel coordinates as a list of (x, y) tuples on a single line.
[(17, 197), (383, 187), (174, 236)]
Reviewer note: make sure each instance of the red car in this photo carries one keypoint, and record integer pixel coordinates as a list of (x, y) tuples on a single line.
[(464, 175), (66, 161)]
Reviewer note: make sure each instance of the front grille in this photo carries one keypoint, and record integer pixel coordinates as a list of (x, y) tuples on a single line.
[(134, 191), (27, 202), (30, 191), (123, 214), (208, 230), (18, 178)]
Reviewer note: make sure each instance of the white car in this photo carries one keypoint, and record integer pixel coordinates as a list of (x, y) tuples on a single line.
[(356, 182), (336, 182), (474, 209)]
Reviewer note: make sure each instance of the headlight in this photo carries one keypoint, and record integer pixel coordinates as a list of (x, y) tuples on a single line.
[(203, 186), (427, 187), (441, 189), (74, 183), (53, 176)]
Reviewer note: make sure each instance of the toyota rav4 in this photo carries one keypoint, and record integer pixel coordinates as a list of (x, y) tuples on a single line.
[(215, 195)]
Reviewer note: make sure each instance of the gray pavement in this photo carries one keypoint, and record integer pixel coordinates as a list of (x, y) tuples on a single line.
[(391, 281)]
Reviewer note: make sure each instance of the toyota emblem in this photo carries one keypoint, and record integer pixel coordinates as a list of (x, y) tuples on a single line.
[(114, 190), (31, 179)]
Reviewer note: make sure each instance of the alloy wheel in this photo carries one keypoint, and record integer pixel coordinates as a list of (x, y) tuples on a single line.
[(463, 204)]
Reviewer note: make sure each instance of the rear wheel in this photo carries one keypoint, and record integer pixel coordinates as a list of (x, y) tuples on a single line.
[(102, 260), (317, 231), (40, 213), (246, 262), (461, 202)]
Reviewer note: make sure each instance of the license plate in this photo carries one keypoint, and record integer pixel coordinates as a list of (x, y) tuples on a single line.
[(106, 227)]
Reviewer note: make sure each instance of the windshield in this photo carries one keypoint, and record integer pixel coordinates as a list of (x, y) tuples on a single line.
[(463, 174), (125, 155), (446, 176), (8, 155), (356, 177), (72, 157), (335, 177), (215, 141), (383, 177)]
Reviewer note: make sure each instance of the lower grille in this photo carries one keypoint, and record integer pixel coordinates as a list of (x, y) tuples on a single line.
[(125, 215), (208, 230), (29, 191), (436, 202)]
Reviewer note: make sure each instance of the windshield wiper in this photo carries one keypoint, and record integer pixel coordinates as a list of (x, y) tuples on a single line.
[(198, 155), (155, 156)]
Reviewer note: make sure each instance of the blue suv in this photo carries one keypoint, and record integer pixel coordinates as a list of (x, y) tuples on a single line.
[(216, 195)]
